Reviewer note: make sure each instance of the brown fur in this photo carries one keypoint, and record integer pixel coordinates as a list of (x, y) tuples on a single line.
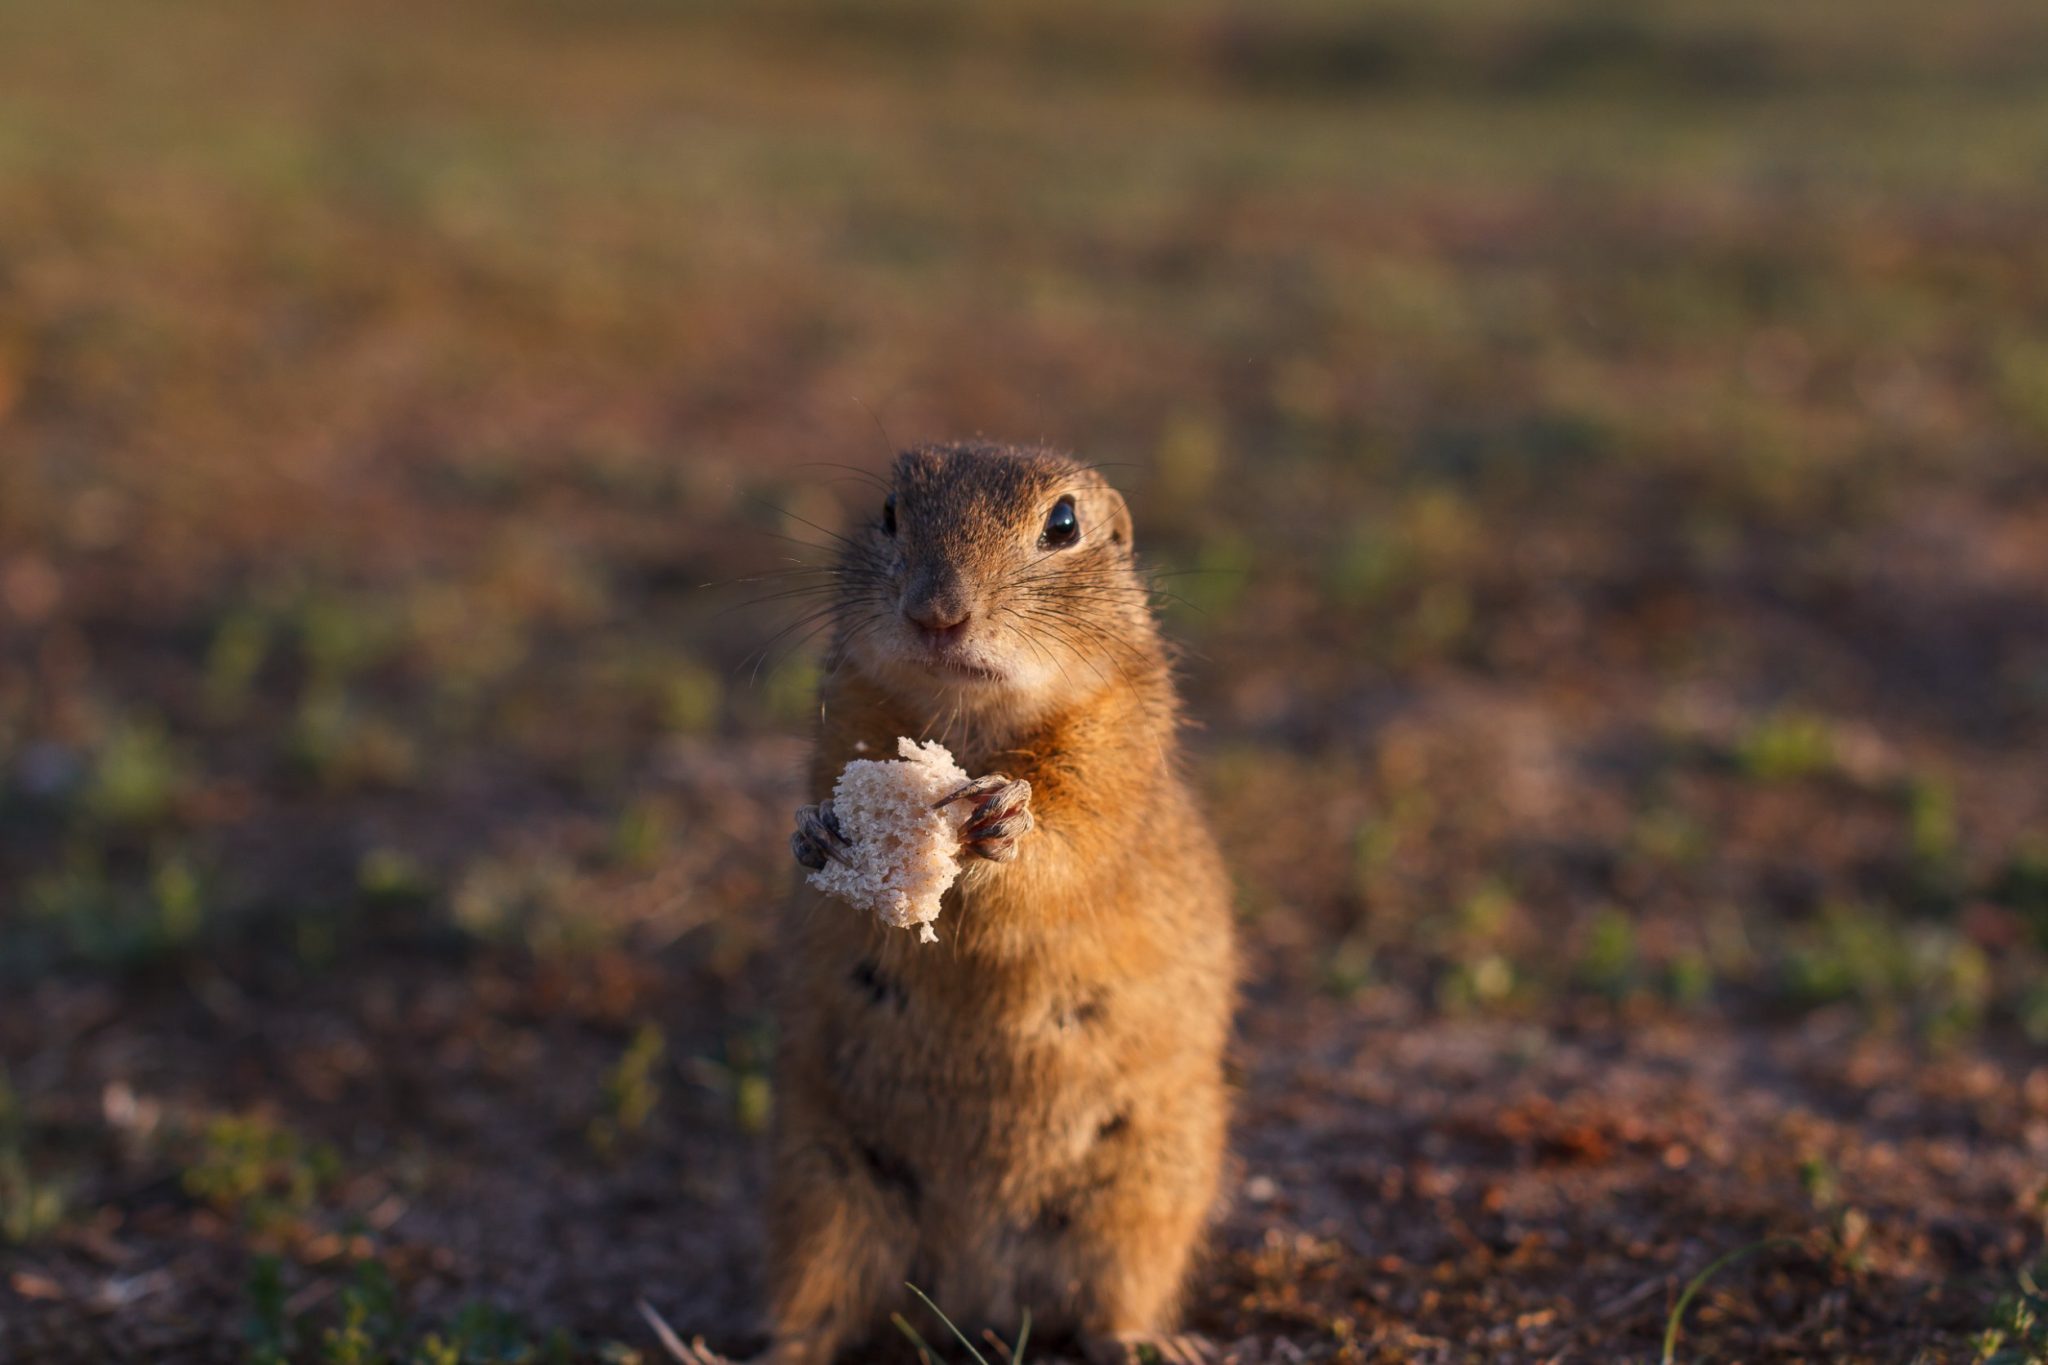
[(1029, 1114)]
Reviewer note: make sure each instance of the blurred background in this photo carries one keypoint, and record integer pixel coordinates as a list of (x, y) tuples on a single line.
[(1595, 454)]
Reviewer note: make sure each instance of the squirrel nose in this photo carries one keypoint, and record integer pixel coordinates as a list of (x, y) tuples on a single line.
[(943, 621)]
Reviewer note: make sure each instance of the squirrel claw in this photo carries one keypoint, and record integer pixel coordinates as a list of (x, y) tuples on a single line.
[(1002, 816), (817, 838), (975, 790)]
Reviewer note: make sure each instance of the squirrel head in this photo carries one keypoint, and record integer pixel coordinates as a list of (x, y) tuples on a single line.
[(994, 575)]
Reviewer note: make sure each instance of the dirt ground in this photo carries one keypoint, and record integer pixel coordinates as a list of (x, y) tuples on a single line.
[(1595, 463)]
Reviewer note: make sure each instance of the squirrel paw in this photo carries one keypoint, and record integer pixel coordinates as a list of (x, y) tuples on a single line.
[(817, 838), (1002, 816), (1151, 1348)]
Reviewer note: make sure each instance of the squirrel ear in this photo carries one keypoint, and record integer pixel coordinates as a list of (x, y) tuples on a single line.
[(1119, 518)]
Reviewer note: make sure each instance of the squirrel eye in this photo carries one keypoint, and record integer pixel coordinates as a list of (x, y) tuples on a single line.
[(889, 515), (1062, 527)]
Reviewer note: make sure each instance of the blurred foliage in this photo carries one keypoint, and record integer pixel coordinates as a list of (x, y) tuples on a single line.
[(371, 1329), (254, 1168), (1787, 746), (32, 1204), (630, 1092), (2018, 1334)]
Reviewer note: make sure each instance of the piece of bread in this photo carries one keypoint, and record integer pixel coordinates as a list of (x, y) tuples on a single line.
[(904, 848)]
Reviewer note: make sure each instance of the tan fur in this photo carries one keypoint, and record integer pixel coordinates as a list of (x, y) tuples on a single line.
[(1031, 1112)]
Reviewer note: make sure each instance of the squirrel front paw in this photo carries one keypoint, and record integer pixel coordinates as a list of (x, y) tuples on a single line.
[(817, 839), (1002, 816)]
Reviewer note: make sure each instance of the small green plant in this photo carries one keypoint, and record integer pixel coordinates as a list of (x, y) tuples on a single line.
[(630, 1092), (1924, 973), (1187, 456), (341, 637), (741, 1074), (691, 699), (1486, 980), (135, 777), (1438, 623), (639, 835), (1817, 1177), (1699, 1282), (1379, 844), (179, 901), (1786, 746), (240, 644), (1013, 1353), (259, 1171), (1689, 978), (1368, 567), (369, 1324), (1850, 953), (484, 1334), (1484, 915), (1936, 881), (2018, 1333), (790, 689), (340, 745), (1222, 571), (31, 1208), (370, 1329), (2023, 885), (1481, 974), (386, 876), (117, 923), (532, 901), (267, 1330), (2032, 1009), (1668, 837), (1608, 964), (2020, 361), (1960, 987), (1931, 814), (1349, 969)]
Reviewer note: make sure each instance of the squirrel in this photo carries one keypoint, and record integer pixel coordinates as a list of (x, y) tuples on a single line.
[(1029, 1116)]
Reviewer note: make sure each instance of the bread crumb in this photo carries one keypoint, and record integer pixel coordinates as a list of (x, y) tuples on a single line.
[(904, 851)]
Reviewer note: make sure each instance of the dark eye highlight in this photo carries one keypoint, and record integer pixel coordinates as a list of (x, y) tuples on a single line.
[(889, 515), (1062, 526)]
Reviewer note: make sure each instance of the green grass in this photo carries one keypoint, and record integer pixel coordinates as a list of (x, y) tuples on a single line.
[(33, 1203), (1676, 1319), (1787, 746), (369, 1327), (31, 1207), (2018, 1332), (112, 918), (631, 1091), (257, 1170), (1012, 1353)]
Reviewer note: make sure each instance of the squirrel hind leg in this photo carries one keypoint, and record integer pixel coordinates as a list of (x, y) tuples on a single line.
[(840, 1242), (1128, 1243)]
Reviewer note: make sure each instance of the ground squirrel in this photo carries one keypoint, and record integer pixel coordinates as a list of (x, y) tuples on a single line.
[(1030, 1113)]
